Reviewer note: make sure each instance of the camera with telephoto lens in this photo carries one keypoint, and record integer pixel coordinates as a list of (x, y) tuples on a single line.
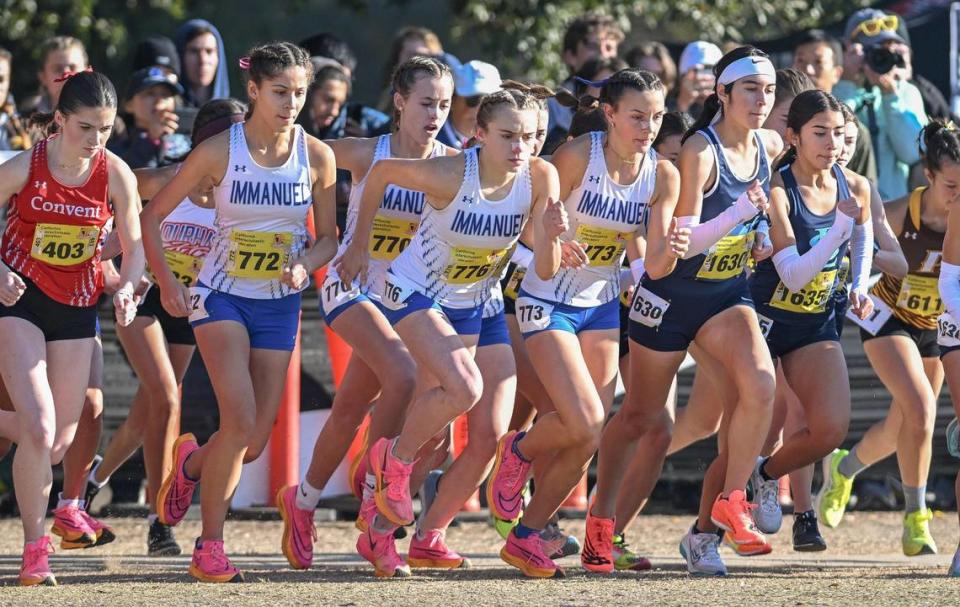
[(881, 60)]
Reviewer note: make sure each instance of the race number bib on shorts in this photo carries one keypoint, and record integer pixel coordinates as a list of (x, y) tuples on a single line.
[(948, 331), (765, 325), (395, 295), (727, 258), (198, 303), (62, 245), (811, 299), (603, 247), (469, 265), (647, 308), (333, 294), (390, 236), (258, 255), (533, 314), (879, 317), (920, 295)]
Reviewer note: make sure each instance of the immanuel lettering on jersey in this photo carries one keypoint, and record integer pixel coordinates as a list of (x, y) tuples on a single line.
[(597, 205), (270, 193), (403, 200), (477, 224)]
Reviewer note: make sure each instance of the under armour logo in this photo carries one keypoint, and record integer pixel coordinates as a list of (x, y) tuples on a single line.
[(40, 185), (593, 179), (467, 200), (240, 168), (910, 235)]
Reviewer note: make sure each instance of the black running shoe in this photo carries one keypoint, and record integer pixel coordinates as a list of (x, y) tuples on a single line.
[(806, 533), (160, 541)]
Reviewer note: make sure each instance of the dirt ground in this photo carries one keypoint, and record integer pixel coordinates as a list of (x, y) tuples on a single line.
[(863, 565)]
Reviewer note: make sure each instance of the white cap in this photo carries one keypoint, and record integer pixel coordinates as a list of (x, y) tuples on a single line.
[(697, 53), (476, 78)]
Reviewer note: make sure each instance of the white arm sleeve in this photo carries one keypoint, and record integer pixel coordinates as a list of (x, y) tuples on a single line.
[(522, 256), (705, 235), (861, 257), (796, 270), (950, 287), (636, 269)]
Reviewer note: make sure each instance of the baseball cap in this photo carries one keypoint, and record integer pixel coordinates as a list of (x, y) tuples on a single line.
[(697, 53), (156, 51), (149, 76), (476, 78), (883, 26)]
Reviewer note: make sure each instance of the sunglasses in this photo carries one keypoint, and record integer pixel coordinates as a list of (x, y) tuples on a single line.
[(872, 27)]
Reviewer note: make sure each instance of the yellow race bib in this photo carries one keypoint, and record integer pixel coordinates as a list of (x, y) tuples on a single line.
[(390, 236), (62, 245), (727, 258), (811, 299), (603, 247), (920, 295), (184, 267), (471, 264), (258, 255), (512, 290)]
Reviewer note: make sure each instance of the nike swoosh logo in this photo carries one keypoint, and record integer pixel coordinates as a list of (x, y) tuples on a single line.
[(302, 492)]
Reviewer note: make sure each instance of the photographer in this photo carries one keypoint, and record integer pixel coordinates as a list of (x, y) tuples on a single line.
[(876, 85)]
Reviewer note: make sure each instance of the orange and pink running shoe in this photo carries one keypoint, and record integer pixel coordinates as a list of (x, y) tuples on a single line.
[(104, 533), (73, 529), (176, 492), (431, 552), (507, 480), (35, 570), (526, 554), (392, 492), (210, 563), (299, 532), (597, 553), (732, 514), (380, 549)]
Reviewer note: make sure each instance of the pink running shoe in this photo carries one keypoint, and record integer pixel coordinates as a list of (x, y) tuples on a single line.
[(210, 563), (381, 551), (527, 555), (105, 534), (299, 531), (35, 570), (176, 492), (73, 529), (507, 480), (393, 483), (431, 552)]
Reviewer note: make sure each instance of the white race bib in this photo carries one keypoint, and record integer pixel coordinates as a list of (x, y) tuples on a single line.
[(647, 309), (879, 317), (198, 303), (533, 314), (395, 295), (334, 294), (948, 331), (765, 325)]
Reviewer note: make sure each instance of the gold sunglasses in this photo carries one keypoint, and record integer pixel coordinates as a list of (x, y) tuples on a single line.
[(872, 27)]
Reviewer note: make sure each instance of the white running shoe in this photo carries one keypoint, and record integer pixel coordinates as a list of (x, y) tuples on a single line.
[(701, 554), (768, 515)]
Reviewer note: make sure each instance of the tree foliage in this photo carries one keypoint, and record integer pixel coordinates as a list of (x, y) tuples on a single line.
[(528, 34)]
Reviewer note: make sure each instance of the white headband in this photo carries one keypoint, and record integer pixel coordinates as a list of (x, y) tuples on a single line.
[(747, 66)]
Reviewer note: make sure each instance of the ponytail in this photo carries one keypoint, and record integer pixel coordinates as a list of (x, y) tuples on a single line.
[(939, 142), (711, 107)]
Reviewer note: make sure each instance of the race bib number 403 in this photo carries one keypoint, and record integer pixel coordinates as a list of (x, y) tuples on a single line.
[(63, 245), (258, 255)]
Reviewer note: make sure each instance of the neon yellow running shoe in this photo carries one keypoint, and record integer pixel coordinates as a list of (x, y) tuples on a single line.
[(625, 559), (916, 533), (834, 494)]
